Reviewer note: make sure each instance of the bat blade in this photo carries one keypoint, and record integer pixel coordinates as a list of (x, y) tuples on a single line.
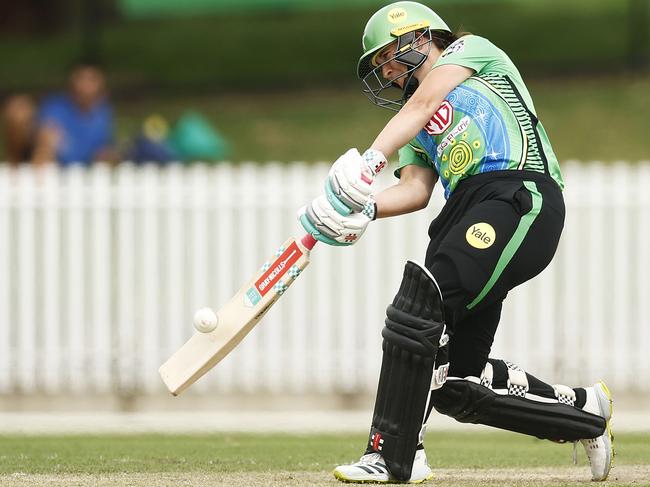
[(236, 318)]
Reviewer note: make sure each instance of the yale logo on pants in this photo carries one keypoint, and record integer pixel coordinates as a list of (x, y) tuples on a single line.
[(480, 235)]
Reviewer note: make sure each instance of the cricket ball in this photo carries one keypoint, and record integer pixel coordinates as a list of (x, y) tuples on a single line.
[(205, 320)]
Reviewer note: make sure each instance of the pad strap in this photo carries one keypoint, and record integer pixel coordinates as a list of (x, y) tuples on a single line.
[(487, 376), (564, 394), (441, 365), (517, 380)]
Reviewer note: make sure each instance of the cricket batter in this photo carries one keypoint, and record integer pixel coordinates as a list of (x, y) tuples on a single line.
[(464, 118)]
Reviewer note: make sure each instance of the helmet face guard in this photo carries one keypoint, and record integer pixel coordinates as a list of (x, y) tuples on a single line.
[(412, 50)]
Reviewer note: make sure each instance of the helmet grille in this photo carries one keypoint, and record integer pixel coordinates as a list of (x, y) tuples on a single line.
[(412, 50)]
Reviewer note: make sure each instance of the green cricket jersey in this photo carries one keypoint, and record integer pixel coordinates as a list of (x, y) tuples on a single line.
[(487, 123)]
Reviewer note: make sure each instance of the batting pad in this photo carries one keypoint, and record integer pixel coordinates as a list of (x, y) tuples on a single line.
[(414, 327), (472, 400)]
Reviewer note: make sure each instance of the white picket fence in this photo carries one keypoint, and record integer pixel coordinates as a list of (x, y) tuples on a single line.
[(101, 270)]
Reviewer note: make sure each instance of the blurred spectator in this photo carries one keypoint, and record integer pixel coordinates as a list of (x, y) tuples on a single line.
[(194, 138), (151, 144), (18, 128), (76, 126)]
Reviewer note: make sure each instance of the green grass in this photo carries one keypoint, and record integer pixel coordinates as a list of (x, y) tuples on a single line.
[(228, 453), (586, 118)]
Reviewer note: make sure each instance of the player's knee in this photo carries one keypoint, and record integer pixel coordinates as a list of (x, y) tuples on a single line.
[(415, 319), (444, 399), (456, 398), (462, 398)]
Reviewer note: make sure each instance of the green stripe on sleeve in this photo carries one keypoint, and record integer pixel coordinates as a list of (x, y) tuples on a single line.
[(514, 243)]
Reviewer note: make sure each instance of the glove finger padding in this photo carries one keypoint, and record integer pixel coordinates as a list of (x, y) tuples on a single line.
[(344, 183), (327, 225), (348, 185)]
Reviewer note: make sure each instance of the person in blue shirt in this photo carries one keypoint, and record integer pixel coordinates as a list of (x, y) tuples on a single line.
[(76, 127)]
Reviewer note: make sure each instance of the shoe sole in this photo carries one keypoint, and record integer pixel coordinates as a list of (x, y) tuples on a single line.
[(339, 476), (607, 406)]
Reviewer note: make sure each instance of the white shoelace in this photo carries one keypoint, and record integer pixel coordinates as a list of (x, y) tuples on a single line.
[(370, 458)]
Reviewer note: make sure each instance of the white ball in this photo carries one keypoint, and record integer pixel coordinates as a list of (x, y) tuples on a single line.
[(205, 320)]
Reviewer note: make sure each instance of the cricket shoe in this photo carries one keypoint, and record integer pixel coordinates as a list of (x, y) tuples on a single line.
[(600, 450), (371, 469)]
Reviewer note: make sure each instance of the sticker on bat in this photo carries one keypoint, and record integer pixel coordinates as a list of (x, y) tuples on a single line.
[(272, 275)]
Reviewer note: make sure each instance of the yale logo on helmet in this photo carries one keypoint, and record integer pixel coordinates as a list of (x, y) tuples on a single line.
[(396, 15), (409, 28)]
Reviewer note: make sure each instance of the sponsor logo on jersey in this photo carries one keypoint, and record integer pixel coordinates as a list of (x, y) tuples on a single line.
[(480, 235), (454, 47), (451, 136), (277, 269), (396, 15), (441, 120)]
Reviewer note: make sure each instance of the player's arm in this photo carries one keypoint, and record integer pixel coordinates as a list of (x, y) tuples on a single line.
[(411, 193), (419, 109), (325, 223)]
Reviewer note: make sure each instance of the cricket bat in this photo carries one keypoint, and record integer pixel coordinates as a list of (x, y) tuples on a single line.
[(237, 317)]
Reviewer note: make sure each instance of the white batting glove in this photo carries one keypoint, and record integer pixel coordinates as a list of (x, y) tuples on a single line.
[(327, 225), (348, 184)]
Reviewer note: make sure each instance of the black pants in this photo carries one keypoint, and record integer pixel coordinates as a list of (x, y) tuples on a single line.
[(497, 230)]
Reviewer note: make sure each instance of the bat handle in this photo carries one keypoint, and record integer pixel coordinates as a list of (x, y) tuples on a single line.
[(308, 241)]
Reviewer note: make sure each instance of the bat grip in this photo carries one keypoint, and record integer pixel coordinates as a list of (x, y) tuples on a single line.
[(308, 241)]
